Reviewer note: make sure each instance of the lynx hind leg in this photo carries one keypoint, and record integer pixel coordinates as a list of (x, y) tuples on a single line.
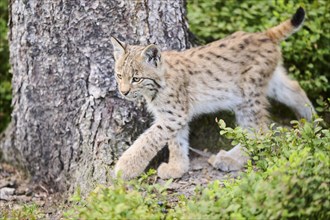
[(288, 92), (251, 115), (178, 163)]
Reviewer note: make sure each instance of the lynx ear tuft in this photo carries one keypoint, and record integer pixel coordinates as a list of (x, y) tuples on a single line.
[(118, 48), (152, 55)]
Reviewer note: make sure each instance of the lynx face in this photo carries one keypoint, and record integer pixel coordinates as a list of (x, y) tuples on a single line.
[(130, 83), (137, 70)]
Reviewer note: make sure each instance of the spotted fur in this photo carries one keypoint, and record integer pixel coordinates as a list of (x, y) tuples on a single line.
[(236, 73)]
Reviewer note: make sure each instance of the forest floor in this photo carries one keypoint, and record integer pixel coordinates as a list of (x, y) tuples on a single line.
[(19, 197), (201, 173), (18, 193)]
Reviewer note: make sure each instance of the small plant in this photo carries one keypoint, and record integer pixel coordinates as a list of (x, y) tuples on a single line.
[(136, 199), (29, 211)]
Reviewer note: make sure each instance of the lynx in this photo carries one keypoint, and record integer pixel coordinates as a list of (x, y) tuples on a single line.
[(236, 73)]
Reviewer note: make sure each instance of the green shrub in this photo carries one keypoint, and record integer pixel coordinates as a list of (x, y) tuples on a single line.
[(5, 76), (290, 179), (137, 199), (306, 53)]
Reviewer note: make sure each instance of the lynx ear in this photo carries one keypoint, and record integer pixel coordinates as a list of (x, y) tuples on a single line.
[(118, 48), (152, 55)]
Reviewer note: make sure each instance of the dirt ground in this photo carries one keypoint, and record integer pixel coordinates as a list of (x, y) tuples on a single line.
[(16, 190), (200, 173)]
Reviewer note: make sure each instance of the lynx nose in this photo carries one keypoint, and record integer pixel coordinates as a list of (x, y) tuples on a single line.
[(125, 92)]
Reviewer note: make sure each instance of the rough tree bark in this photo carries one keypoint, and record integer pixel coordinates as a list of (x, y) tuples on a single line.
[(69, 123)]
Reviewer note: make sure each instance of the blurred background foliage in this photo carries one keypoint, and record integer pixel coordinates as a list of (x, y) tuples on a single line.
[(306, 53), (5, 75)]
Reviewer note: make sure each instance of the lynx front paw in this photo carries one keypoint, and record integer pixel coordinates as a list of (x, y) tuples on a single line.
[(225, 162), (129, 168), (167, 170)]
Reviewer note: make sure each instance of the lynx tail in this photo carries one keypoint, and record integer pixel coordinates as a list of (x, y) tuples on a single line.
[(288, 27)]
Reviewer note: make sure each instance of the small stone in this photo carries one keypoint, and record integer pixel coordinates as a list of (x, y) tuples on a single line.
[(197, 167), (40, 203), (6, 193), (23, 198), (29, 192), (8, 183), (22, 190)]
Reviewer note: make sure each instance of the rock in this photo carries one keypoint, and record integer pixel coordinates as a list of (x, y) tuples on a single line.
[(6, 193), (196, 167), (22, 190), (7, 182), (24, 198)]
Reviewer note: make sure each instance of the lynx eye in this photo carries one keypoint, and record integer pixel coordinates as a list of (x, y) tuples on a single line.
[(119, 76), (137, 79)]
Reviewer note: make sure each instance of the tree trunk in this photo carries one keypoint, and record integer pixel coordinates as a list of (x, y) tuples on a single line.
[(69, 123)]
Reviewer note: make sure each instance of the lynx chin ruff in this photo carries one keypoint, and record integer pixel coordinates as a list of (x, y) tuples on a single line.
[(236, 73)]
